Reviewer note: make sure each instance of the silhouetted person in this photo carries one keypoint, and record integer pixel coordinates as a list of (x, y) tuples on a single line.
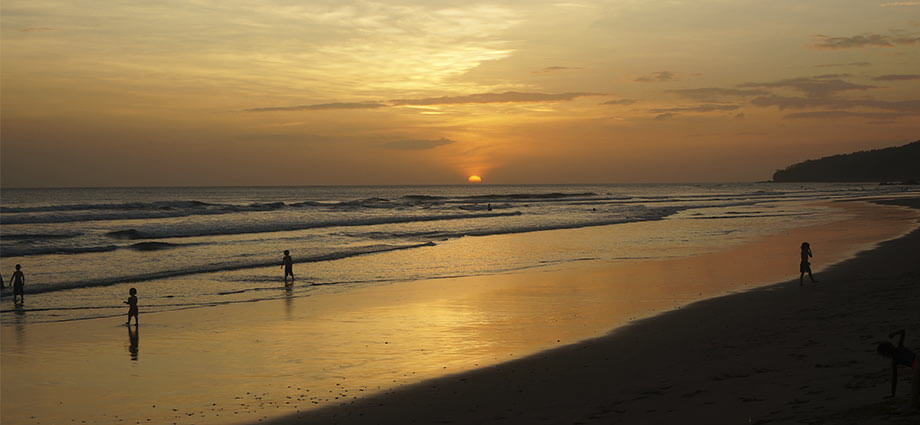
[(489, 207), (288, 264), (132, 306), (133, 340), (805, 265), (18, 280), (902, 356)]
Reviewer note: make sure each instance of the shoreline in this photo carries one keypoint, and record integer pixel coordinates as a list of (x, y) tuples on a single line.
[(207, 365), (775, 354)]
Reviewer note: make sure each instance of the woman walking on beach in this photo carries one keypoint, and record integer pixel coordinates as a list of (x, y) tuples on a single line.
[(805, 265)]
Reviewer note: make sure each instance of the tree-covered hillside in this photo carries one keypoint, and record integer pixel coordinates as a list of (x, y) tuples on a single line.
[(898, 164)]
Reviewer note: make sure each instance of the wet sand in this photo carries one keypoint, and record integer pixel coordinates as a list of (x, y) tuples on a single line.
[(746, 356), (781, 354)]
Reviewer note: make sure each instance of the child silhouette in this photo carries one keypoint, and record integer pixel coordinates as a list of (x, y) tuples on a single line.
[(132, 306)]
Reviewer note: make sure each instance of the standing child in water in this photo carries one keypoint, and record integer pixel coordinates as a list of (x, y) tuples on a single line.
[(805, 265), (288, 264), (132, 306), (18, 280)]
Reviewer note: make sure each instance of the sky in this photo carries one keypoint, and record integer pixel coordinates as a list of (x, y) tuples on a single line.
[(283, 92)]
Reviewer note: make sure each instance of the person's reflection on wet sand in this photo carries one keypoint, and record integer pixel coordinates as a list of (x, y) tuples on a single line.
[(20, 323), (289, 301), (133, 340)]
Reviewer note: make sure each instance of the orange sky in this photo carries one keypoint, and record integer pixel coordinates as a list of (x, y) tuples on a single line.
[(284, 92)]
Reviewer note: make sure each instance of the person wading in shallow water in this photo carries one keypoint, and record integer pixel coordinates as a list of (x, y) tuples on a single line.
[(902, 356), (288, 264), (805, 265), (18, 280)]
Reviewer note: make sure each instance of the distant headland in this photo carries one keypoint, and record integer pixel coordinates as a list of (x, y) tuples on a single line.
[(890, 165)]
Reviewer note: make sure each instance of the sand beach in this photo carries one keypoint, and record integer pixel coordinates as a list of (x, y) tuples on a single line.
[(533, 346), (778, 354)]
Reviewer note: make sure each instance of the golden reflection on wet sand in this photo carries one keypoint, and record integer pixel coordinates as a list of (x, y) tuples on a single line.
[(242, 362)]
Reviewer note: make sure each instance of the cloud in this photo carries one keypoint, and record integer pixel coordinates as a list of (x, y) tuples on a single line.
[(620, 102), (805, 102), (739, 116), (698, 108), (827, 65), (321, 106), (901, 4), (33, 29), (864, 40), (506, 97), (415, 145), (820, 86), (663, 117), (549, 69), (897, 77), (657, 77), (842, 114), (710, 94)]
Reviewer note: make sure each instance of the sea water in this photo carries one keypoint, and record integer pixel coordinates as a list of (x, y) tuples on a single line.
[(81, 249)]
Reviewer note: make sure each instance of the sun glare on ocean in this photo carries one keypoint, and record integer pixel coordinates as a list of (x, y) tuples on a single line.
[(474, 179)]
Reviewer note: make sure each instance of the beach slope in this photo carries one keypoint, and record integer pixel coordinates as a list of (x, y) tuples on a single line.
[(781, 354)]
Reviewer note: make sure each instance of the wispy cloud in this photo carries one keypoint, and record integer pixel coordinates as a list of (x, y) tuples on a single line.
[(34, 29), (663, 117), (415, 145), (863, 40), (901, 4), (828, 65), (897, 77), (620, 102), (783, 102), (657, 77), (841, 114), (711, 94), (697, 108), (320, 107), (820, 86), (506, 97), (550, 69)]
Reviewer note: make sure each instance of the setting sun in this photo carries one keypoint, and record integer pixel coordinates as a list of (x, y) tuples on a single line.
[(474, 179)]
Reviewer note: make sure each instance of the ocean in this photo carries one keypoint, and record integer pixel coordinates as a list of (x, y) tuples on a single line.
[(81, 249)]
